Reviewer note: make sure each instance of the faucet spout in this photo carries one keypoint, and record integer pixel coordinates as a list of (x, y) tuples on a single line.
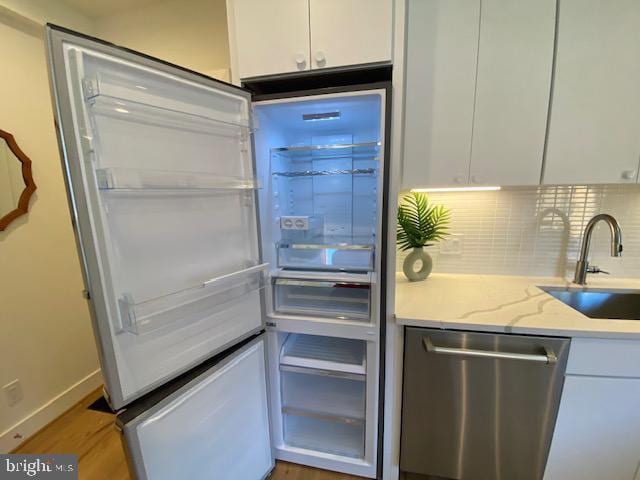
[(582, 267)]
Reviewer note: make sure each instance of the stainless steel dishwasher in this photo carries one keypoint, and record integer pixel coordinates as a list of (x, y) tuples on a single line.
[(479, 406)]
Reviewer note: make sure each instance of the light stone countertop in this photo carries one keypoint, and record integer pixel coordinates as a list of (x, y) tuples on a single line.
[(501, 303)]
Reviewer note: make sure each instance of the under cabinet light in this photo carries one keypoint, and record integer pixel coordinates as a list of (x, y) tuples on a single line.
[(456, 189)]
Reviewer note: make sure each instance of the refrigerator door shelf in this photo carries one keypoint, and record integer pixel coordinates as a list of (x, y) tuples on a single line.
[(172, 134), (137, 111), (120, 178), (152, 98), (191, 304), (315, 298)]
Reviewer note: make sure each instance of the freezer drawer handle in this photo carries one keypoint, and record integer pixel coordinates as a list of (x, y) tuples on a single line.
[(549, 357)]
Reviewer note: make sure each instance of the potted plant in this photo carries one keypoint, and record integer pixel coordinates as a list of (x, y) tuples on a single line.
[(419, 226)]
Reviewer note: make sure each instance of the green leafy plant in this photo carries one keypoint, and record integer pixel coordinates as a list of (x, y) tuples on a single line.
[(421, 224)]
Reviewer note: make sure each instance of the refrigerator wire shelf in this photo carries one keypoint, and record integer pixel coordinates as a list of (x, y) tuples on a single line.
[(324, 173), (308, 153)]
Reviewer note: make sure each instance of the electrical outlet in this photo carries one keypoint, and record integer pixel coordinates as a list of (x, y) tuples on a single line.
[(452, 245), (13, 392)]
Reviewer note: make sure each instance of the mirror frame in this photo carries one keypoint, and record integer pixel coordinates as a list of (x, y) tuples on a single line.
[(27, 177)]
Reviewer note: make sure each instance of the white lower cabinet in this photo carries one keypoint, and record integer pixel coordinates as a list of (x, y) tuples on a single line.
[(597, 433)]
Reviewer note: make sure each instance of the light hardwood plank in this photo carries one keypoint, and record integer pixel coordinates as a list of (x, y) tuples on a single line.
[(92, 436)]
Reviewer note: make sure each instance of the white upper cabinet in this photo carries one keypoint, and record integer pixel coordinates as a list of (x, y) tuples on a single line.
[(515, 62), (283, 36), (268, 37), (594, 131), (441, 53), (478, 77), (350, 32)]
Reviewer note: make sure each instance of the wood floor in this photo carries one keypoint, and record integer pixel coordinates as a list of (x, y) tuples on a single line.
[(92, 436)]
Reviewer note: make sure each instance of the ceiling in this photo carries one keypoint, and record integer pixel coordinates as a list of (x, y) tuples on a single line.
[(101, 8)]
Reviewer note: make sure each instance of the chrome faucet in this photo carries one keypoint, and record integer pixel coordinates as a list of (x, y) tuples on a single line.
[(582, 267)]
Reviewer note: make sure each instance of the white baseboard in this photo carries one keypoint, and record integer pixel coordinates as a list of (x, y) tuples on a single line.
[(14, 436)]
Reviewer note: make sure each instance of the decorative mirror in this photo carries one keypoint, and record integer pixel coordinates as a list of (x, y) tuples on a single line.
[(16, 182)]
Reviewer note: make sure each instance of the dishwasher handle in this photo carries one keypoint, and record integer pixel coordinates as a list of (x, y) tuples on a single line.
[(549, 357)]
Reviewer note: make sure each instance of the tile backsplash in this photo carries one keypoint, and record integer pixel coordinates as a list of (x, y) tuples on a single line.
[(536, 230)]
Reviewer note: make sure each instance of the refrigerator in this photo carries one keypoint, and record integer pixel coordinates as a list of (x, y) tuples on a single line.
[(233, 259)]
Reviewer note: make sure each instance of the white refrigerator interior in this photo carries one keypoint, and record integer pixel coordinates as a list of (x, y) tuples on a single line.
[(322, 161), (322, 158), (204, 220)]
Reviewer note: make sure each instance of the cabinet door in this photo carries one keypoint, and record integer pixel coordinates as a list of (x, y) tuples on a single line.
[(594, 131), (597, 432), (515, 61), (269, 37), (442, 48), (350, 32)]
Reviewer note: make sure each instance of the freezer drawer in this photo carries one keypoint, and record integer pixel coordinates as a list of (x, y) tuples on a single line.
[(325, 255), (324, 435), (479, 406), (342, 300), (322, 392)]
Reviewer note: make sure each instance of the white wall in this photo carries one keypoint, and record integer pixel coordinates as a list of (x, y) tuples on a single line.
[(46, 11), (190, 33), (46, 339)]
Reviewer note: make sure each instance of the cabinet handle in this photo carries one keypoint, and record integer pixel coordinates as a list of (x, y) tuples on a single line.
[(320, 58), (629, 174), (549, 357), (300, 60), (459, 179)]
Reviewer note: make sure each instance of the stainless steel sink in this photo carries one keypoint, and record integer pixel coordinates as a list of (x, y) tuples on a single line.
[(599, 303)]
